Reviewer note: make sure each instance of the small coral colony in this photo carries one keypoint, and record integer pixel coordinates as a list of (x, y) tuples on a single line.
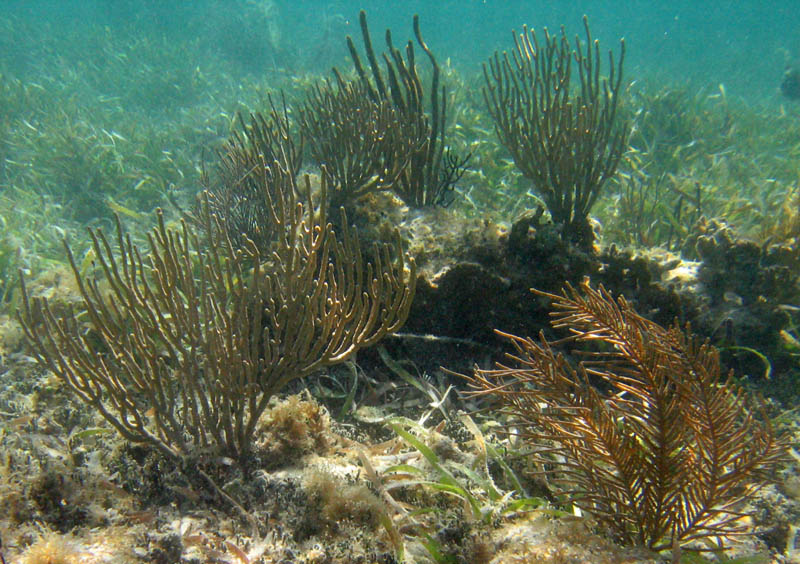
[(403, 324)]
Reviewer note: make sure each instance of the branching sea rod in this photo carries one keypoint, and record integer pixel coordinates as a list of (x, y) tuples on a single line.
[(188, 340), (565, 140)]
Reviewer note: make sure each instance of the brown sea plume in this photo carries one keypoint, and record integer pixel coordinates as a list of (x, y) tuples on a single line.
[(645, 433)]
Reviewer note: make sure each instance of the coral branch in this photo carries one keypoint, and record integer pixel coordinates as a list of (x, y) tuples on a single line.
[(664, 452)]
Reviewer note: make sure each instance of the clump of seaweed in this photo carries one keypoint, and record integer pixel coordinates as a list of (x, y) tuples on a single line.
[(334, 500), (664, 452), (293, 428), (51, 549)]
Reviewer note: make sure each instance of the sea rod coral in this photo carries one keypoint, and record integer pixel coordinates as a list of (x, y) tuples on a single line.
[(183, 344)]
